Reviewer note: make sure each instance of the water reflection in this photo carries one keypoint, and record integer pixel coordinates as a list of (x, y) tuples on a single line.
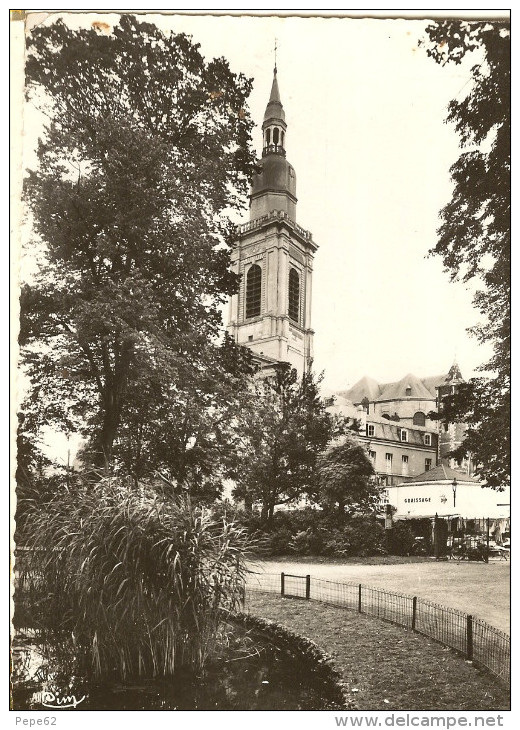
[(263, 679)]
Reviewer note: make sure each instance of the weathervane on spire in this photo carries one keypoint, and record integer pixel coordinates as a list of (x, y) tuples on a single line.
[(275, 49)]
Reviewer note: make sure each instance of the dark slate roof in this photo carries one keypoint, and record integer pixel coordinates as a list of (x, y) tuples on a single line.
[(442, 473), (364, 388), (373, 418), (390, 431), (454, 375), (433, 381), (398, 391), (422, 388)]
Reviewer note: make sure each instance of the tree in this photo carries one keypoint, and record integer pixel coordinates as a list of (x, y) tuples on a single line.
[(184, 425), (474, 238), (145, 155), (345, 478), (284, 430)]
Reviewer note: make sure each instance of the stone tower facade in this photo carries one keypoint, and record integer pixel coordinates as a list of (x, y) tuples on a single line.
[(271, 314), (451, 435)]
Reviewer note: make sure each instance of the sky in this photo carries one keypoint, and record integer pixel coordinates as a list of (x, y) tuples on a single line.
[(365, 109)]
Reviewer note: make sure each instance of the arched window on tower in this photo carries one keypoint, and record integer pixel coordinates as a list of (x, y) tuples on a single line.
[(276, 134), (267, 137), (253, 291), (294, 295), (419, 419), (282, 139)]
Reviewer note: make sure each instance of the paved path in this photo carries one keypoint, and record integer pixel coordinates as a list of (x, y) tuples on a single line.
[(480, 589)]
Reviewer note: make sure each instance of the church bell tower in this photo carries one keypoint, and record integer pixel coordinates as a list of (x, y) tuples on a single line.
[(271, 314)]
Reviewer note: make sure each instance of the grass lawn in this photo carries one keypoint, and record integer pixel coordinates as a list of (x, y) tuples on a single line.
[(480, 589), (386, 667)]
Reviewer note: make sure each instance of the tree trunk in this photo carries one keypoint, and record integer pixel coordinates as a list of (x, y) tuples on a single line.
[(111, 419)]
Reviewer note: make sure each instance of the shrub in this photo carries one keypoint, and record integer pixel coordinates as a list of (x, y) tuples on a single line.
[(279, 541), (401, 539), (366, 536), (307, 542), (336, 544), (361, 536), (314, 532), (138, 579)]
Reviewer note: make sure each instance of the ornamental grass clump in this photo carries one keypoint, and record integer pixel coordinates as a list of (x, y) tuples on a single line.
[(138, 581)]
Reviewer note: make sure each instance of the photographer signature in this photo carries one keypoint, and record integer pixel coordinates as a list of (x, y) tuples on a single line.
[(52, 699)]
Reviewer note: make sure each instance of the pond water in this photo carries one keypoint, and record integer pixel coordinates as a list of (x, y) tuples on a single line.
[(261, 678)]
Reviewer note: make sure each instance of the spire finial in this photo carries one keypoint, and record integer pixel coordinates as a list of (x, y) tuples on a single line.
[(275, 49)]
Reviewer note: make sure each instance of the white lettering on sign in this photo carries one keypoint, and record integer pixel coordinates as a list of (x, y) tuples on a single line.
[(418, 499)]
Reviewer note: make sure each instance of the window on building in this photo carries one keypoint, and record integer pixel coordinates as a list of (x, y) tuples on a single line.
[(372, 455), (408, 390), (427, 464), (427, 439), (253, 291), (294, 295), (268, 136), (404, 435), (388, 463), (419, 419), (404, 464), (371, 429), (275, 135)]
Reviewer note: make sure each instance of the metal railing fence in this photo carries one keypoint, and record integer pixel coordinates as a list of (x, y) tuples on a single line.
[(477, 640)]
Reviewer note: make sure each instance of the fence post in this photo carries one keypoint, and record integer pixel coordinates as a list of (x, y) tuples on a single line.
[(307, 587), (469, 637), (359, 599), (414, 612), (282, 583), (487, 541)]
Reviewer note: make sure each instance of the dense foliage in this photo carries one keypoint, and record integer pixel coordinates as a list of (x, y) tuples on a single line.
[(345, 478), (138, 579), (145, 155), (474, 238), (184, 425), (313, 532), (284, 431)]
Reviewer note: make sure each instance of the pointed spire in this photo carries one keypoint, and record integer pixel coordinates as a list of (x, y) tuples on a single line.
[(454, 375), (274, 126), (274, 108), (275, 92)]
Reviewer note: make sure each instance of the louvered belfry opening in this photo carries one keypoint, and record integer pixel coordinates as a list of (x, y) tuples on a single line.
[(253, 291), (294, 295)]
